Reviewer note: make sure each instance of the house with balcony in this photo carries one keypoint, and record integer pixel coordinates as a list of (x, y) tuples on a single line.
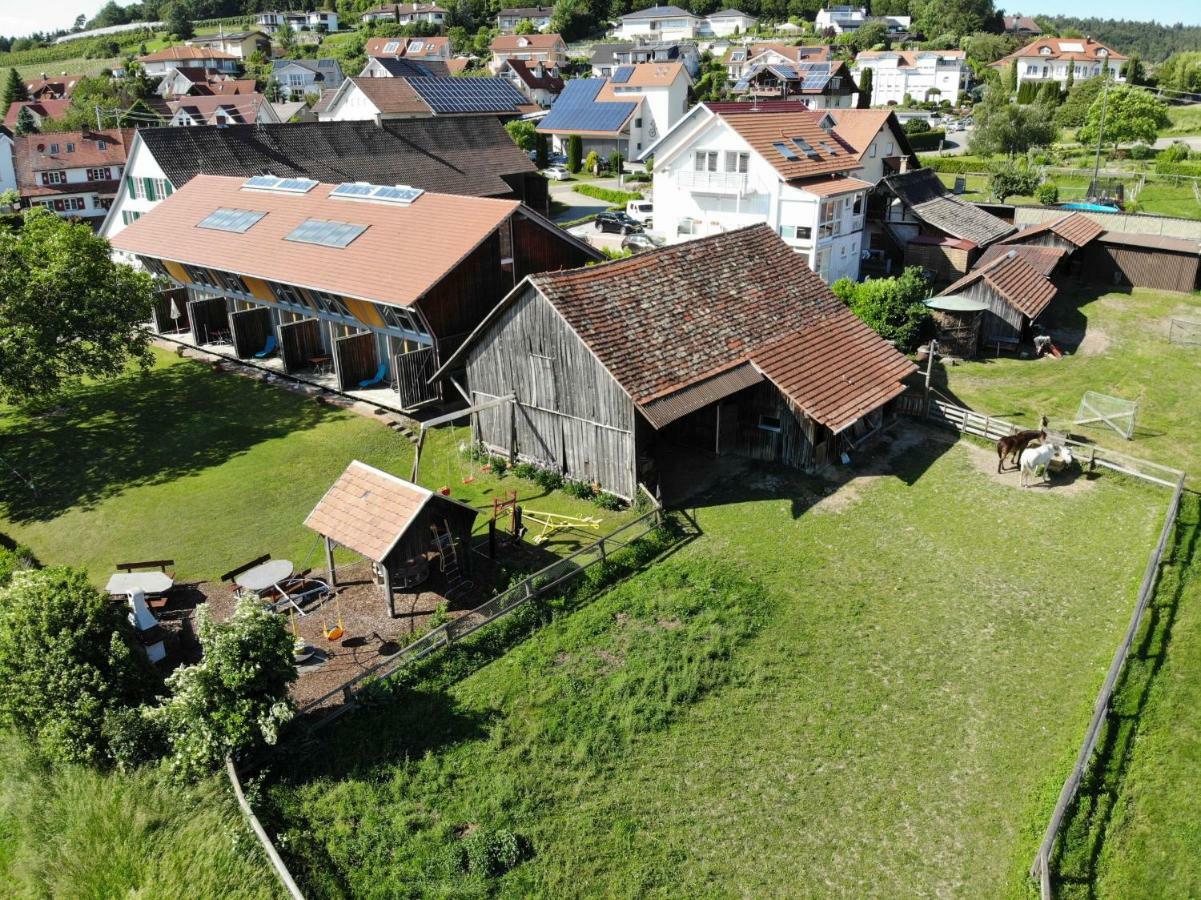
[(76, 174), (876, 137), (548, 49), (407, 14), (818, 85), (354, 285), (236, 43), (539, 83), (417, 48), (299, 77), (605, 58), (729, 22), (738, 58), (320, 20), (189, 82), (163, 61), (626, 112), (728, 165), (839, 19), (934, 75), (1051, 58), (660, 23), (539, 17)]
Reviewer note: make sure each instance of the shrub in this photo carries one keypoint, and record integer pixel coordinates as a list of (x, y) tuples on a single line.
[(611, 502), (18, 558), (525, 470), (135, 737), (928, 140), (1009, 180), (1174, 153), (955, 165), (1144, 151), (609, 195), (916, 126), (581, 490), (1181, 168), (489, 853), (616, 163), (67, 657), (549, 479), (592, 163), (893, 307), (575, 153), (499, 465), (1047, 193)]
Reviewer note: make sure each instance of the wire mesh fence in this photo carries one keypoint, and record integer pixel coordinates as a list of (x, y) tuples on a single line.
[(1112, 412)]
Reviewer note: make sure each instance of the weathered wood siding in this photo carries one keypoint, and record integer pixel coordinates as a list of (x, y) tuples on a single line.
[(1001, 321), (538, 249), (299, 342), (357, 359), (459, 302), (570, 413), (208, 316), (1118, 264), (250, 329)]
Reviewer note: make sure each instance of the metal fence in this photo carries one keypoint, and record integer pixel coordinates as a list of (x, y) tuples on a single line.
[(544, 581), (967, 421)]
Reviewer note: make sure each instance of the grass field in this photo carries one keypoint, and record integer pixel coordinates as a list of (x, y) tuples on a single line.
[(1159, 196), (896, 687), (1185, 119), (208, 469)]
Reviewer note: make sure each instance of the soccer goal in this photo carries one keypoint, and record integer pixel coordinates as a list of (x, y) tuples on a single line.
[(1099, 409), (1186, 332)]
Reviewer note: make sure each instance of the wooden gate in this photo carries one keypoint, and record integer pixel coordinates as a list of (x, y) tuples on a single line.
[(250, 329), (356, 359), (161, 312), (413, 372), (299, 342), (209, 319)]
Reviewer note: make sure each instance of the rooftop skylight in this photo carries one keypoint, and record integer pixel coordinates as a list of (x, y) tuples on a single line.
[(282, 185), (400, 194), (225, 219), (325, 233)]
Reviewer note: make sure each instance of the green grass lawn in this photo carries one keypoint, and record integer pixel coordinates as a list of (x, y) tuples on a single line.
[(1159, 196), (875, 691), (1185, 119), (209, 469)]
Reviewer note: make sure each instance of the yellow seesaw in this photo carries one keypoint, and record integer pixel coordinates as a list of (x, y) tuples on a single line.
[(553, 522)]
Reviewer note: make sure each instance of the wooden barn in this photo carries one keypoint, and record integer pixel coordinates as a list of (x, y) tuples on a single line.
[(372, 284), (726, 344), (1154, 261), (1014, 291), (1070, 233)]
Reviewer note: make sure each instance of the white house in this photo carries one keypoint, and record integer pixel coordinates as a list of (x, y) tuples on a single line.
[(627, 112), (739, 58), (298, 77), (728, 22), (728, 165), (242, 109), (877, 138), (1050, 58), (839, 19), (419, 48), (548, 49), (73, 173), (407, 14), (507, 20), (540, 84), (922, 74), (162, 61), (660, 23), (238, 43), (316, 20)]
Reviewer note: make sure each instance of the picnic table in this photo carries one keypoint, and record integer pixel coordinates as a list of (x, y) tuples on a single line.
[(265, 575), (149, 583)]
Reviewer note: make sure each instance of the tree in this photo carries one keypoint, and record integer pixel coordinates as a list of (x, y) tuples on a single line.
[(1012, 80), (1074, 109), (575, 153), (236, 697), (541, 151), (1009, 180), (1130, 114), (525, 26), (523, 133), (864, 100), (592, 163), (893, 307), (1133, 70), (178, 20), (1070, 82), (1048, 94), (67, 657), (285, 35), (869, 35), (983, 48), (80, 21), (26, 123), (67, 310), (14, 92), (956, 17), (1010, 128), (1181, 72)]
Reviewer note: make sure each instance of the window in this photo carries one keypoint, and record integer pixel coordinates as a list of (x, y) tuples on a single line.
[(70, 147), (128, 217), (888, 148), (54, 177), (705, 161), (104, 174), (232, 282), (104, 202), (638, 122), (737, 162), (285, 293), (197, 275), (102, 145), (54, 148), (770, 423), (857, 208), (330, 303), (796, 232), (872, 152)]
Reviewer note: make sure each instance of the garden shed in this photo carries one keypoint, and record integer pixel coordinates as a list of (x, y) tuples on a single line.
[(390, 521), (1144, 260), (1014, 292)]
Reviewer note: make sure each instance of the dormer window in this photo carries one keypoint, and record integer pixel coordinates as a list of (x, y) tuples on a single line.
[(1102, 52), (523, 42), (1045, 51)]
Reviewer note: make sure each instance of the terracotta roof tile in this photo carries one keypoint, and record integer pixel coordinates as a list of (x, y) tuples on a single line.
[(766, 127), (1076, 228), (183, 52), (430, 47), (928, 199), (513, 43), (391, 95), (1061, 48), (44, 109), (31, 154), (367, 510), (829, 187), (1043, 259), (1019, 283)]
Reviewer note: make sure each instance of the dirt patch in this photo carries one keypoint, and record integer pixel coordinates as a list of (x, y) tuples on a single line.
[(848, 484), (1095, 343), (670, 624), (985, 461), (610, 660)]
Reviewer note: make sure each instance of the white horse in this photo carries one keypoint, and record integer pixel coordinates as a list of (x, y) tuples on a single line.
[(1033, 457)]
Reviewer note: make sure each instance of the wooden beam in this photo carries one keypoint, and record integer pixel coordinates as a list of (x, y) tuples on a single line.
[(329, 563), (417, 453), (454, 416), (388, 590)]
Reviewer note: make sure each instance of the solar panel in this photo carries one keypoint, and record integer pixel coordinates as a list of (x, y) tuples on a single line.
[(286, 185), (622, 74), (577, 109), (236, 220), (325, 233), (468, 95), (391, 46), (829, 148), (785, 151)]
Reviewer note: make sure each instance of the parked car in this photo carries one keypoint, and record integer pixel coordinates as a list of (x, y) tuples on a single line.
[(638, 242), (557, 173), (616, 223), (641, 211), (552, 159)]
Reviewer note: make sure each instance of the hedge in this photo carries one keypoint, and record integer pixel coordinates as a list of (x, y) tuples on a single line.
[(617, 198), (1163, 167), (955, 165), (927, 140)]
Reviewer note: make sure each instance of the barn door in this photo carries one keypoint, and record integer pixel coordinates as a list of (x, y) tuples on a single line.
[(413, 372)]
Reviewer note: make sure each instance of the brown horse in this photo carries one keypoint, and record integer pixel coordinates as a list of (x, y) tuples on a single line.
[(1012, 445)]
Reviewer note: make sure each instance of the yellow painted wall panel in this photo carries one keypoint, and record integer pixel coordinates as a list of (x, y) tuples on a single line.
[(259, 288), (365, 312), (177, 271)]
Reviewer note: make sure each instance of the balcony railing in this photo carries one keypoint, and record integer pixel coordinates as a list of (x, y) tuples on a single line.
[(715, 182)]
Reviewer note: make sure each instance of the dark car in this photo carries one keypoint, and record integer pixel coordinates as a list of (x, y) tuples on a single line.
[(616, 223), (636, 243)]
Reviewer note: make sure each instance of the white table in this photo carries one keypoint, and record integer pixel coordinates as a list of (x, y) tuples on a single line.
[(269, 575), (149, 583)]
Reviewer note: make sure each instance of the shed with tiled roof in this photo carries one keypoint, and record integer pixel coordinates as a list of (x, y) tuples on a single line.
[(1014, 290), (1071, 232), (730, 343)]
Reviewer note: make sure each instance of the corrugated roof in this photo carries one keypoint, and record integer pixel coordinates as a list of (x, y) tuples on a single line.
[(667, 409), (1016, 281), (1151, 242), (928, 199), (403, 253)]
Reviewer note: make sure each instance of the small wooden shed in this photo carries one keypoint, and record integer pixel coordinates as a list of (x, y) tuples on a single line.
[(389, 521), (1015, 292), (957, 320)]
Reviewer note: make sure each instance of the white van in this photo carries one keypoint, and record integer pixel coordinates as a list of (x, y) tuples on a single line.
[(641, 211)]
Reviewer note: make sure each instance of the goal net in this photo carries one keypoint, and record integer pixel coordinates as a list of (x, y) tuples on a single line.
[(1183, 331), (1099, 409)]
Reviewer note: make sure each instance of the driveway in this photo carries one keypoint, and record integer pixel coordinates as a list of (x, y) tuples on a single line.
[(577, 205)]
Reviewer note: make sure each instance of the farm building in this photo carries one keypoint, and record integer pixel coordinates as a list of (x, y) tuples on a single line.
[(1073, 231), (928, 226), (726, 344), (364, 286), (1048, 261), (1143, 260), (1014, 291)]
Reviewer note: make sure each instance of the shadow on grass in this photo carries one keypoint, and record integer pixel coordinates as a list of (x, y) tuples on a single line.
[(1086, 826), (136, 430)]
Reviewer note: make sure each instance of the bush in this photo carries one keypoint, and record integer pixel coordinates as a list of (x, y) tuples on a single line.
[(67, 657), (608, 501), (575, 153), (1009, 180), (581, 490), (499, 465), (928, 140), (525, 470), (490, 853), (955, 165), (917, 126), (1047, 193), (616, 163), (1143, 151), (549, 479), (609, 195), (18, 558), (893, 307), (135, 737), (1174, 153), (1181, 168)]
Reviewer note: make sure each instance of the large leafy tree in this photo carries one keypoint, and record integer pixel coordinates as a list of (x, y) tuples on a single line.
[(957, 17), (66, 309), (1011, 128), (1074, 109), (1124, 114), (67, 660), (1181, 72), (893, 307)]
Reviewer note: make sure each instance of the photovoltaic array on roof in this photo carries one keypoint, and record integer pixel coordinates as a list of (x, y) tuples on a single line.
[(816, 75), (468, 95), (577, 109), (225, 219), (622, 74), (284, 185), (325, 233), (399, 194)]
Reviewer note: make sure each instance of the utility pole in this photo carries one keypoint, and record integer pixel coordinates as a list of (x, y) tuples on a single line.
[(1100, 133), (99, 127)]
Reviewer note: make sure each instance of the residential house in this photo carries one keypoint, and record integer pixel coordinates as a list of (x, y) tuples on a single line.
[(407, 14), (163, 61), (419, 48), (728, 165), (728, 22), (40, 110), (243, 109), (73, 173), (548, 49), (877, 138), (319, 20), (51, 87), (382, 281), (924, 224), (1050, 58), (1014, 291), (819, 85), (738, 58), (838, 19), (660, 23), (298, 77), (920, 74), (393, 67), (726, 346), (409, 97), (539, 83), (238, 43), (189, 82), (1021, 26), (474, 157), (507, 20), (8, 171), (627, 112), (605, 58)]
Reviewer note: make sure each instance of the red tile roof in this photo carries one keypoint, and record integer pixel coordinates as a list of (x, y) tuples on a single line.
[(243, 108), (831, 186), (367, 510), (391, 96), (1075, 228), (518, 43), (404, 252), (1043, 259), (763, 126), (43, 109), (432, 47), (550, 80), (1061, 48), (32, 155), (184, 52), (1017, 282)]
